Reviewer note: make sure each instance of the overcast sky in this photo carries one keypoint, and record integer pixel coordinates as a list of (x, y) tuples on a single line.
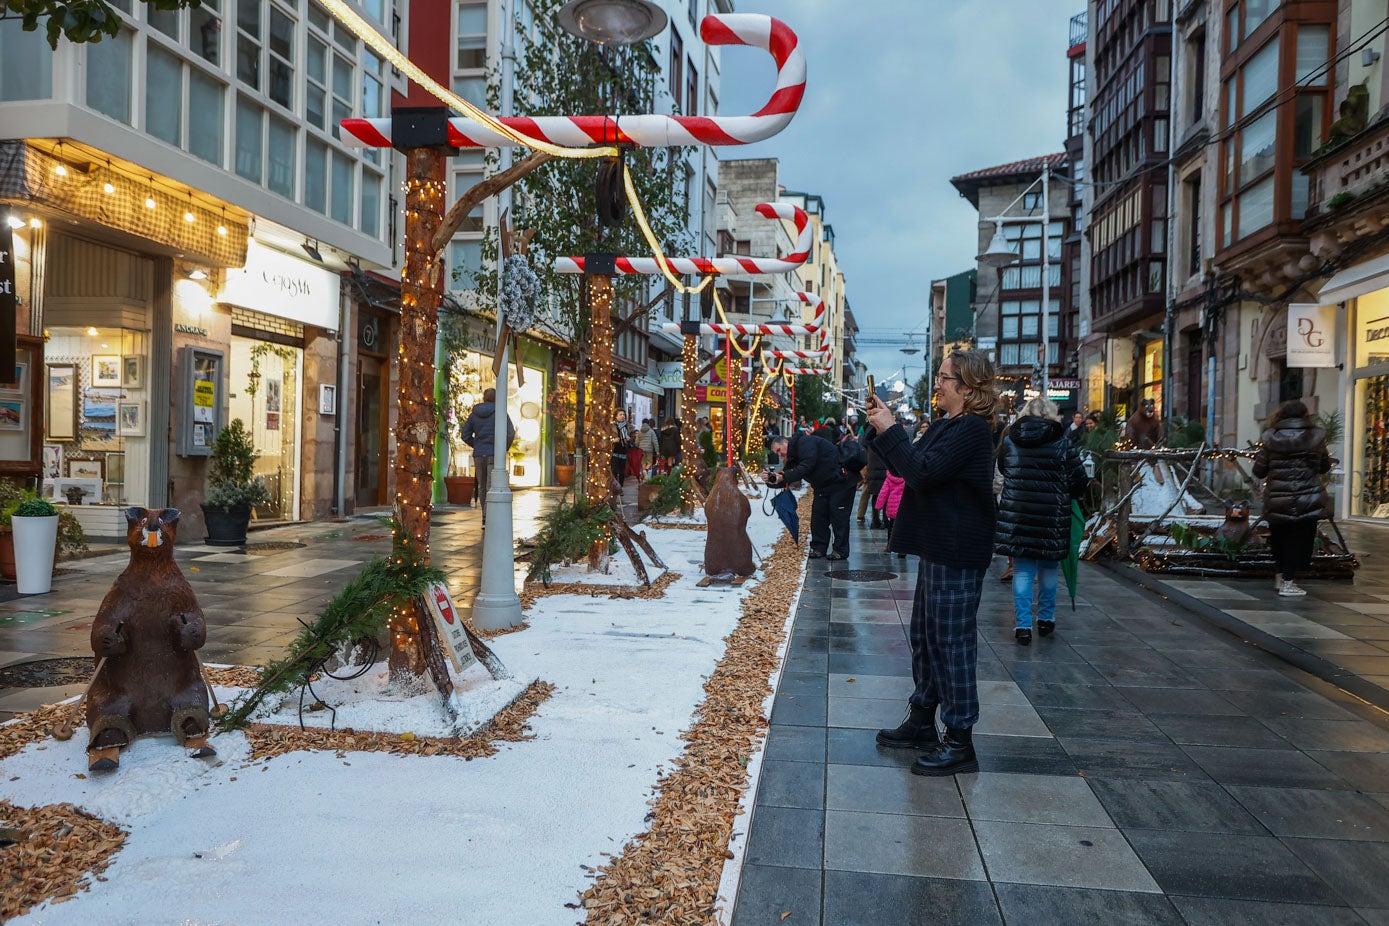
[(901, 96)]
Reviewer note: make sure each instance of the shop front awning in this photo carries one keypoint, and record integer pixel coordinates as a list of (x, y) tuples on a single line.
[(1365, 277)]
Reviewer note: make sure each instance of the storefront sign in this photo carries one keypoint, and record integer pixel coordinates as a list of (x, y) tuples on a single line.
[(7, 298), (277, 284), (190, 329), (711, 393), (1063, 383), (672, 374), (1311, 335)]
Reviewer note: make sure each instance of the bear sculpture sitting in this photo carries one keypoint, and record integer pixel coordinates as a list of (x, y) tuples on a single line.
[(145, 638)]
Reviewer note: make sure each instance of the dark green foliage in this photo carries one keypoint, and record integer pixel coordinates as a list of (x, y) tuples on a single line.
[(1332, 423), (79, 20), (1185, 433), (816, 399), (672, 491), (34, 507), (231, 477), (359, 612), (922, 393), (570, 531), (1106, 432), (707, 449), (1188, 538)]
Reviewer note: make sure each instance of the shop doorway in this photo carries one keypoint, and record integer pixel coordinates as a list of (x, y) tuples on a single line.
[(372, 381), (266, 379)]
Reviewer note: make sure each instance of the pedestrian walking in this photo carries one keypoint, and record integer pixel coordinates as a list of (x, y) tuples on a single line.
[(946, 517), (622, 445), (888, 501), (872, 482), (1041, 472), (479, 433), (668, 444), (816, 461), (648, 445), (1291, 458)]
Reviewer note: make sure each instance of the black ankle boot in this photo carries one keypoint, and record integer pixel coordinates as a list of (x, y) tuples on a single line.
[(1023, 636), (954, 755), (918, 731), (1046, 628)]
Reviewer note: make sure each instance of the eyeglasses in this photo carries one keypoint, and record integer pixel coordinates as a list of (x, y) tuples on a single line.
[(947, 377)]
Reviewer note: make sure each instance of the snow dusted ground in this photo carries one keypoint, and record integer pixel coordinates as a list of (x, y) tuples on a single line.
[(376, 838)]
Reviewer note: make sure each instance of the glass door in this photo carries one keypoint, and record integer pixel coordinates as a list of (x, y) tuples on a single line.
[(371, 431)]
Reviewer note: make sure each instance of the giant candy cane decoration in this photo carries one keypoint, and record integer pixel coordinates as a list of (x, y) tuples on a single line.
[(815, 327), (646, 131), (721, 265)]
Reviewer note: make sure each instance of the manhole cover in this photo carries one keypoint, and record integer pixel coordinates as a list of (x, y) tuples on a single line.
[(46, 673), (272, 546), (860, 575)]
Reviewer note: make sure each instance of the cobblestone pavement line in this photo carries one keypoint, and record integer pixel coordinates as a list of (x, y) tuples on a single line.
[(1140, 766)]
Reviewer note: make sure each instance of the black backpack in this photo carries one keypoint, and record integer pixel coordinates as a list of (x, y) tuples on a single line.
[(852, 457)]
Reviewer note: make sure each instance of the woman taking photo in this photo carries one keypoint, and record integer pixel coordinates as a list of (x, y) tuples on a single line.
[(1291, 458), (946, 517), (1042, 472)]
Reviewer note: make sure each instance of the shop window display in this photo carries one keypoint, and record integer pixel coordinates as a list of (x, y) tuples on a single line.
[(264, 392), (96, 448), (1373, 498), (471, 374)]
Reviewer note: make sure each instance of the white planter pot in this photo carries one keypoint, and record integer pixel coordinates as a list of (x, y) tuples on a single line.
[(35, 544)]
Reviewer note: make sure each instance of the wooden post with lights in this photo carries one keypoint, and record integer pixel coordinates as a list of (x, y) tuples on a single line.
[(691, 457), (422, 134), (598, 436)]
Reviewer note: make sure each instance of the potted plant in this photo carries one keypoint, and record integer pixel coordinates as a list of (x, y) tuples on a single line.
[(34, 522), (233, 489), (564, 469), (457, 486)]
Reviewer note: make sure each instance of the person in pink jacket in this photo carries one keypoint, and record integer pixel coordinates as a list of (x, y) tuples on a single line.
[(889, 497)]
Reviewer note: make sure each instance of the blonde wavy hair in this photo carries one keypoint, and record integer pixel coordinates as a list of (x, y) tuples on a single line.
[(1042, 408), (976, 372)]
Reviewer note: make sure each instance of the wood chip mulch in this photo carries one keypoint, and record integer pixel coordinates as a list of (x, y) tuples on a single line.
[(670, 874), (510, 725), (534, 591), (656, 525), (233, 676), (34, 727), (56, 850), (500, 632)]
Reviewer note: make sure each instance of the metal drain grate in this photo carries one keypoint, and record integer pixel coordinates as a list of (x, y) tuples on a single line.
[(46, 673), (860, 575)]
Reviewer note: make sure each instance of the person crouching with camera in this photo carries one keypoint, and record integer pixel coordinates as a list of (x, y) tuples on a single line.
[(816, 461)]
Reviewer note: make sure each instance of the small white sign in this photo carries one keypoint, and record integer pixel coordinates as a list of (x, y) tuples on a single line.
[(449, 623), (277, 284), (1311, 335)]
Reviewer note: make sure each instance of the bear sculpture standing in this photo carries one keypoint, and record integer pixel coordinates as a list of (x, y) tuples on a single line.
[(727, 549), (145, 639)]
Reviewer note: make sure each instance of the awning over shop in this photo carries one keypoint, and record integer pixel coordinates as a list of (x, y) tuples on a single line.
[(1364, 277)]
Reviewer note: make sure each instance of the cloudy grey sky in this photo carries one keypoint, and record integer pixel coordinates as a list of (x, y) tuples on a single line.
[(901, 96)]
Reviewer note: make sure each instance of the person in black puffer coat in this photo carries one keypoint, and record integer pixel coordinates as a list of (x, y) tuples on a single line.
[(1291, 458), (873, 477), (1042, 472), (817, 462)]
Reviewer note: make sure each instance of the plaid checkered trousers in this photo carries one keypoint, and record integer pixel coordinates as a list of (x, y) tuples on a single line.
[(945, 642)]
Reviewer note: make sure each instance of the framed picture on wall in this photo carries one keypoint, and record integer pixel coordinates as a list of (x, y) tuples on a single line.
[(130, 419), (11, 413), (133, 372), (18, 383), (86, 469), (62, 402), (52, 461), (106, 370)]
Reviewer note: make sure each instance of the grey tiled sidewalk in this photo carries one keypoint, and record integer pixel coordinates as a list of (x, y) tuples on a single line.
[(1138, 767), (253, 603)]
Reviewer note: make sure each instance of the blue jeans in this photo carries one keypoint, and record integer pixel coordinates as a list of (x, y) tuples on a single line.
[(1030, 573)]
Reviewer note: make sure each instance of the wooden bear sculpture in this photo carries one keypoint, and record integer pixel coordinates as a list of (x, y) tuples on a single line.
[(727, 549), (1144, 428), (145, 638), (1236, 527)]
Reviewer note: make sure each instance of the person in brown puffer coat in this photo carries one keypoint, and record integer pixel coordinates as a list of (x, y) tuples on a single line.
[(1291, 458)]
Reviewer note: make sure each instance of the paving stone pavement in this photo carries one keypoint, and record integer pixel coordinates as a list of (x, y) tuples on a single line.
[(253, 602), (1142, 766)]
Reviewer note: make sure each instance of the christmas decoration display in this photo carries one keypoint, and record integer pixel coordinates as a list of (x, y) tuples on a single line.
[(727, 549), (753, 29)]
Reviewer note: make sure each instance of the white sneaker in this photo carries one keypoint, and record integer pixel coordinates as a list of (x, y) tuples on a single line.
[(1290, 589)]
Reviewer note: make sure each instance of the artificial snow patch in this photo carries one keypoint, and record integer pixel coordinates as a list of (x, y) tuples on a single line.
[(495, 840), (372, 702), (620, 572)]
